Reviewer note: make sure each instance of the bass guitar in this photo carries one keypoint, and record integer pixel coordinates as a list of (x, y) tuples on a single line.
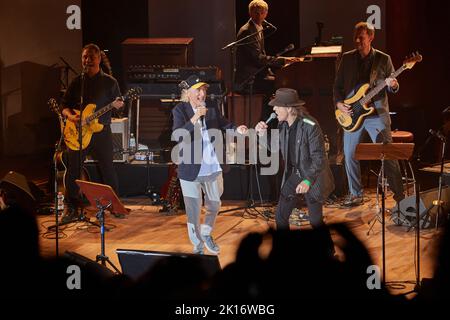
[(360, 100), (89, 122)]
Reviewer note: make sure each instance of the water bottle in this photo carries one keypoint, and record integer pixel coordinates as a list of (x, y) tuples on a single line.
[(132, 143), (60, 201)]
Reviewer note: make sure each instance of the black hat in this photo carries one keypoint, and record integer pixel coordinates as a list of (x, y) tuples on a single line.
[(286, 97), (192, 82)]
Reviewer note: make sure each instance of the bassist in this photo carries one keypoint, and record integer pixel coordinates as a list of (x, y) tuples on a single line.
[(366, 64), (99, 89)]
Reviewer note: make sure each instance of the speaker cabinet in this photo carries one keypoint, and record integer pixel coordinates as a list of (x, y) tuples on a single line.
[(28, 126), (135, 263), (121, 141), (19, 190)]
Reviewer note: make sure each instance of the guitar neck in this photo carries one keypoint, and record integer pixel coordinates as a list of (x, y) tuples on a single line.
[(372, 93), (99, 113)]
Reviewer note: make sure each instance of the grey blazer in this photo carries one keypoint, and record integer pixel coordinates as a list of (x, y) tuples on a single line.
[(311, 160)]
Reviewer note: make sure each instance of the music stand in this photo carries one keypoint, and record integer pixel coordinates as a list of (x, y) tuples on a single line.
[(103, 197), (384, 151)]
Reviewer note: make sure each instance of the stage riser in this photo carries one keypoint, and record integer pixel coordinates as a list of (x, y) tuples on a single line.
[(133, 180)]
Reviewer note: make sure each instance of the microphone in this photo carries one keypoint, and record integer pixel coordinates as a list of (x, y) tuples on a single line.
[(269, 25), (288, 48), (437, 134), (272, 116), (202, 118), (84, 71), (446, 110)]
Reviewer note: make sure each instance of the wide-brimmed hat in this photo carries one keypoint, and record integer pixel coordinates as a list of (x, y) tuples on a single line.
[(193, 82), (286, 97)]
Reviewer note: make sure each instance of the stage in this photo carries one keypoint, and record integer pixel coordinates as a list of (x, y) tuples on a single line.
[(145, 228)]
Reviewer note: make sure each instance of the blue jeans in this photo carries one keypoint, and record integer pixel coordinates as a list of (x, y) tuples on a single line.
[(378, 132)]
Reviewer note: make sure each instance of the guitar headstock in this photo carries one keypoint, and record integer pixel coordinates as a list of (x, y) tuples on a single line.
[(410, 61), (133, 93), (53, 105)]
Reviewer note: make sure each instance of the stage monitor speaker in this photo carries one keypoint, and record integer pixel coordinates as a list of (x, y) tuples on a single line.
[(426, 209), (135, 263), (95, 271), (19, 190)]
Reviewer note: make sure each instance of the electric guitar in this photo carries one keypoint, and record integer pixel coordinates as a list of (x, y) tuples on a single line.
[(89, 122), (363, 96), (171, 195)]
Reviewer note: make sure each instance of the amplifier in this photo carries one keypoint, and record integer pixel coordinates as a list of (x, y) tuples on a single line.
[(170, 90), (171, 73), (164, 51), (119, 130)]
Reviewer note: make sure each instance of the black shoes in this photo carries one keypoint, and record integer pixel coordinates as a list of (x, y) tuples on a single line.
[(70, 215), (353, 201)]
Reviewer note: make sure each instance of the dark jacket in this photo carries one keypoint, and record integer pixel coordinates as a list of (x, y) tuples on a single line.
[(251, 55), (312, 163), (182, 113)]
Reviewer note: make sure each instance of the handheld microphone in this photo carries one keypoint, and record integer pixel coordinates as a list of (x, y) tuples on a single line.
[(437, 134), (272, 116), (269, 25), (202, 118)]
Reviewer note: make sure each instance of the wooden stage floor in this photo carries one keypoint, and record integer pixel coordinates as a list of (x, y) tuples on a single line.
[(145, 228)]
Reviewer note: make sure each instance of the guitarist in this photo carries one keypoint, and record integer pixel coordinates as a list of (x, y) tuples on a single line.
[(99, 89), (366, 64)]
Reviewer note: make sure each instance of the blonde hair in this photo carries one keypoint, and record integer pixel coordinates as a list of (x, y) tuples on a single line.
[(258, 4), (184, 95), (365, 26)]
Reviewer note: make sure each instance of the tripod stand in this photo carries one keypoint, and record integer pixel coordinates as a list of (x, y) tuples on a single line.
[(102, 257), (380, 151), (103, 197), (58, 158)]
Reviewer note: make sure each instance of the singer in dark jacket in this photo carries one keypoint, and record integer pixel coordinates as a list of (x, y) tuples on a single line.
[(306, 168), (200, 172)]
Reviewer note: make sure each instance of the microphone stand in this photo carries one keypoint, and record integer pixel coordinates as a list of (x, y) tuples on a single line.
[(251, 201), (67, 68), (232, 46), (80, 133), (82, 217)]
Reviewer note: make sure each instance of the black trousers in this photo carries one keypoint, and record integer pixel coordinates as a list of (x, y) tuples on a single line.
[(288, 201), (101, 149)]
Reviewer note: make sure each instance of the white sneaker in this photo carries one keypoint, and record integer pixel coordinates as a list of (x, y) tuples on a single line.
[(210, 244), (199, 249)]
